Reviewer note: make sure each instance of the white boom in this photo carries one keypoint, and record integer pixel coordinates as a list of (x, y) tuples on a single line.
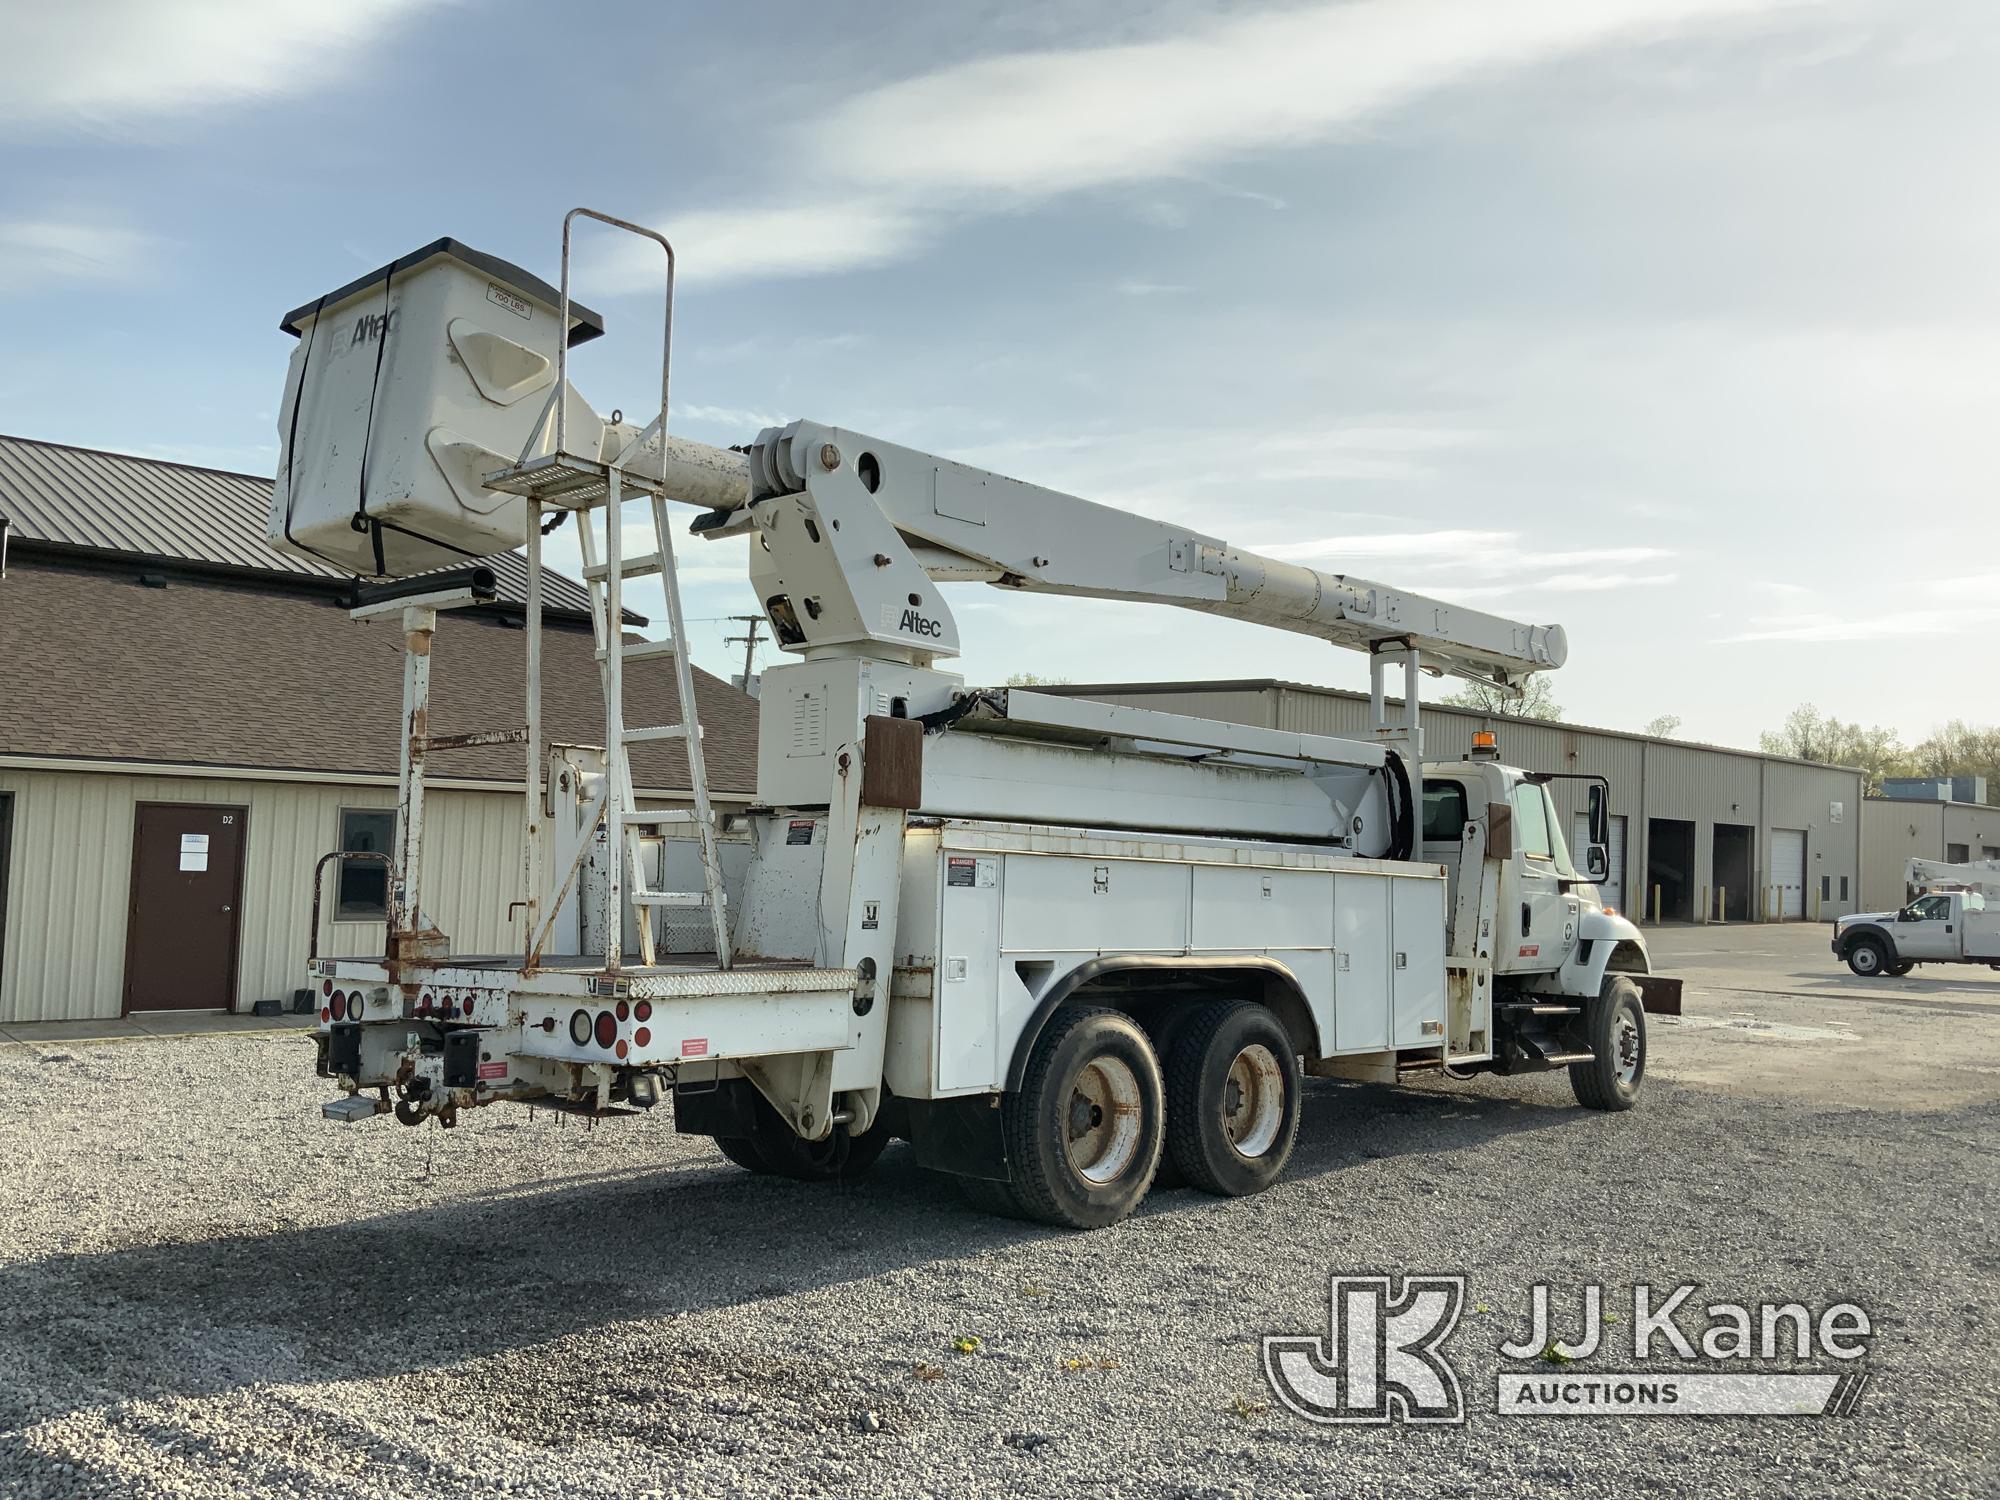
[(960, 524)]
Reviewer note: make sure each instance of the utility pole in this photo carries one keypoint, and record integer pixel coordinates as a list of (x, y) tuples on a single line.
[(749, 639)]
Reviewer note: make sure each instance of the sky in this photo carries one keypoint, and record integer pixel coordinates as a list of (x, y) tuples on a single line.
[(1671, 321)]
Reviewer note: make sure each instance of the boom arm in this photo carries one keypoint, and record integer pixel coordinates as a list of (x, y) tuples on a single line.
[(854, 531)]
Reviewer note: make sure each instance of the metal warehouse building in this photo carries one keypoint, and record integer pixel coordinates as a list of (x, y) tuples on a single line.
[(1899, 828), (1703, 831), (188, 721)]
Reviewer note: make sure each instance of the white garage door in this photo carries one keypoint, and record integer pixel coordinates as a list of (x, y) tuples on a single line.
[(1788, 871), (1613, 890)]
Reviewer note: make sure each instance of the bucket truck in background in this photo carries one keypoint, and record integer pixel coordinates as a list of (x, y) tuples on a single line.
[(1051, 943)]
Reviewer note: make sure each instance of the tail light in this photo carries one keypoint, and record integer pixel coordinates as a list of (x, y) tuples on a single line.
[(338, 1005), (624, 1010), (643, 1037), (607, 1028), (643, 1010)]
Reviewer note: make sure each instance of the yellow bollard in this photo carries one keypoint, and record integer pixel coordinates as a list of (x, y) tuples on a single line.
[(1722, 903), (1656, 906), (1703, 908)]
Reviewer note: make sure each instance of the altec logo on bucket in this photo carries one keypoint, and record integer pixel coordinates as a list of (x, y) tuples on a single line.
[(1383, 1357)]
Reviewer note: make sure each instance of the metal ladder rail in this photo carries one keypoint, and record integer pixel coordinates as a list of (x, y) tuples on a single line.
[(606, 585)]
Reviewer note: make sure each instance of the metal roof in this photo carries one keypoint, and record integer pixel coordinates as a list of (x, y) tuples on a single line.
[(90, 500)]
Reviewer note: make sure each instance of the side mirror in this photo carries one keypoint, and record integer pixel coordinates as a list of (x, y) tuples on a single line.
[(1600, 814), (1597, 864)]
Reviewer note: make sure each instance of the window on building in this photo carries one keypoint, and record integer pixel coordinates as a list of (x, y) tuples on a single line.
[(1987, 851), (1826, 888), (364, 883), (1843, 887), (1956, 854), (1444, 812), (1531, 822)]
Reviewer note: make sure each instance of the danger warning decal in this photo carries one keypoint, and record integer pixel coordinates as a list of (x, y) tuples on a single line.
[(493, 1070), (694, 1046), (1530, 950)]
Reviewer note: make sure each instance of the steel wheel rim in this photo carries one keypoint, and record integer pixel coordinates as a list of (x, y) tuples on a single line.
[(1627, 1049), (1101, 1124), (1253, 1101), (1866, 959)]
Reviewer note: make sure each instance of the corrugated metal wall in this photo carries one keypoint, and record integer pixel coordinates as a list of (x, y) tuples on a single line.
[(71, 872), (1649, 779)]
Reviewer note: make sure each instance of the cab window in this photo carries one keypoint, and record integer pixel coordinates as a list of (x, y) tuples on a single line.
[(1531, 822), (1444, 812), (1932, 909)]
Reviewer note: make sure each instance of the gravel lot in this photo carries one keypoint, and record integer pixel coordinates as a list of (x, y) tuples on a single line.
[(205, 1289)]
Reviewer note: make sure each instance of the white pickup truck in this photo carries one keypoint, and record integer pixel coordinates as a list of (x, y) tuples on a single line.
[(1942, 927)]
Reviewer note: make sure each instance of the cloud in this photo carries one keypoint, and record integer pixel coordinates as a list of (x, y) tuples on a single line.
[(1132, 287), (100, 64), (1819, 628), (1009, 131), (738, 244), (37, 252)]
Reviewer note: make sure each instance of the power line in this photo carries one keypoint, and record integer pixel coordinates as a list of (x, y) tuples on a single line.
[(749, 640)]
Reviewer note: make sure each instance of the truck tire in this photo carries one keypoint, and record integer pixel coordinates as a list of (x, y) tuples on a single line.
[(1232, 1099), (1615, 1030), (743, 1151), (1085, 1131), (1867, 957), (838, 1158), (990, 1197), (1897, 971)]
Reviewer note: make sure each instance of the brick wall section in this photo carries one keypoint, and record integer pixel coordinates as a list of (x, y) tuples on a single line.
[(95, 665)]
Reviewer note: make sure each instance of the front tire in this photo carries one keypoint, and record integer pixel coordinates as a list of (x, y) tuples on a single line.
[(1232, 1099), (1615, 1031), (1867, 957), (1084, 1133)]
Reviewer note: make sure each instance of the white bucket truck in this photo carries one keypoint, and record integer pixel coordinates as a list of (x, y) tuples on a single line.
[(1052, 943)]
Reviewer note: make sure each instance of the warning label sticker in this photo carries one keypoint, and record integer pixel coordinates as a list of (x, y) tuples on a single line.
[(694, 1046), (800, 831), (493, 1070), (959, 870)]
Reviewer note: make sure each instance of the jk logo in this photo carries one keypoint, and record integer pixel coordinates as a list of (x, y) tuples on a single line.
[(1381, 1359)]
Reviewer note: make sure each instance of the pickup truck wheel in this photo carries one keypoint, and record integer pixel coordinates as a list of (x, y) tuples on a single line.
[(1084, 1132), (743, 1151), (1615, 1028), (1867, 957), (1232, 1099)]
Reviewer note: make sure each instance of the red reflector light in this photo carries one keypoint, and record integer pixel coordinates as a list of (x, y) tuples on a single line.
[(325, 1014), (621, 1049), (338, 1005), (607, 1028), (326, 986), (642, 1037), (624, 1011), (643, 1010)]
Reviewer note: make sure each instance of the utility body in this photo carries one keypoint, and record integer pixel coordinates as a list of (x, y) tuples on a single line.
[(1052, 943)]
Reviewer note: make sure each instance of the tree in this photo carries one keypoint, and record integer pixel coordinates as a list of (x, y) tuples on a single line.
[(1957, 748), (1031, 680), (1808, 734), (1663, 727), (1536, 701)]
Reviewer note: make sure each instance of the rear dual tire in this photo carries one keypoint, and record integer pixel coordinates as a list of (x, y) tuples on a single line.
[(1232, 1099)]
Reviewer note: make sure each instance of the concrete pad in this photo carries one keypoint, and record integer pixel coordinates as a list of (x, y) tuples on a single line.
[(44, 1033)]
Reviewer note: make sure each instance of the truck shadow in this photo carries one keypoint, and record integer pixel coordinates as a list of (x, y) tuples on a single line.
[(407, 1292)]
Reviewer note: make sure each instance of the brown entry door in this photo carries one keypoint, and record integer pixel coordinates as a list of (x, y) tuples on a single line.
[(187, 888)]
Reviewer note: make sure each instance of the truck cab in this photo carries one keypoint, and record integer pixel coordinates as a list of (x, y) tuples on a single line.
[(1948, 927)]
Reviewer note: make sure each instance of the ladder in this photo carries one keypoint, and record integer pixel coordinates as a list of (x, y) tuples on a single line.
[(588, 485)]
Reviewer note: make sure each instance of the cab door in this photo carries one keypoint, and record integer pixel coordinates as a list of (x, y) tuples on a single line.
[(1538, 925), (1928, 928)]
